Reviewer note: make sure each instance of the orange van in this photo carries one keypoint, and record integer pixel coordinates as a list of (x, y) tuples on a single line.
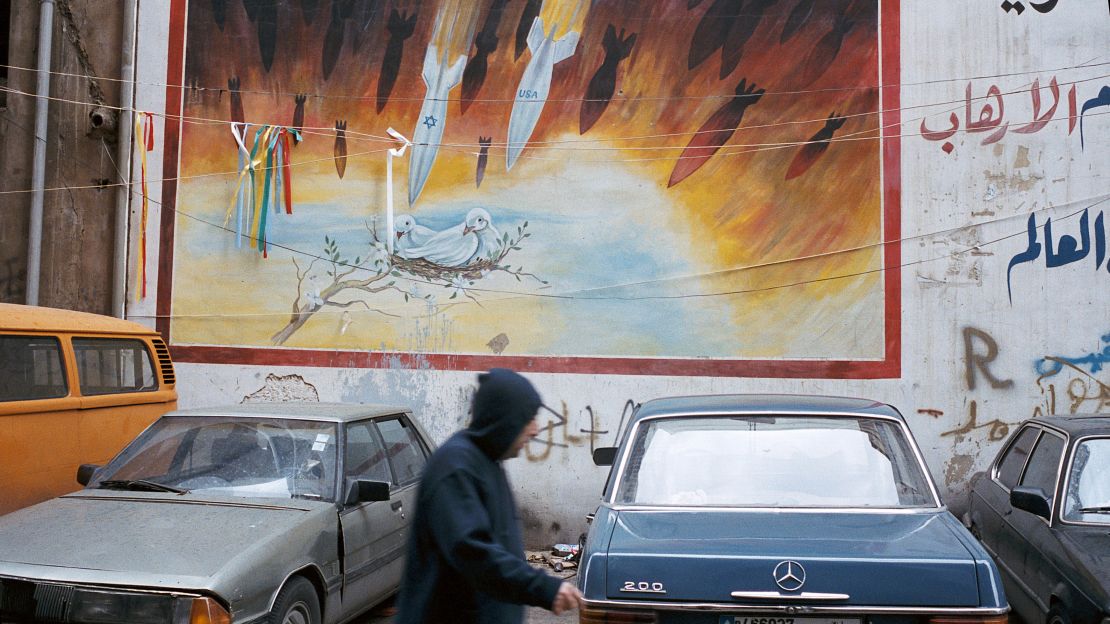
[(74, 389)]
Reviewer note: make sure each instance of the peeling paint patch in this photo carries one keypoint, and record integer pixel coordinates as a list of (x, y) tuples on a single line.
[(282, 389), (1022, 159), (498, 343), (957, 469), (1014, 182)]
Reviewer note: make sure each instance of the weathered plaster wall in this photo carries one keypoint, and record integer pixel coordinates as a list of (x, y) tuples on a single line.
[(81, 175)]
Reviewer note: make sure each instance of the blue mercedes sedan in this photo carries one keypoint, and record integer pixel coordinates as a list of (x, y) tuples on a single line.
[(760, 509)]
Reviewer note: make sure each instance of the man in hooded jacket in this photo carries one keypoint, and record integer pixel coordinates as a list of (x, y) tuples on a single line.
[(465, 560)]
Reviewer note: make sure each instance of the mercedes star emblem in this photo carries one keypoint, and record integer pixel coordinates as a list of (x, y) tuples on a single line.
[(790, 575)]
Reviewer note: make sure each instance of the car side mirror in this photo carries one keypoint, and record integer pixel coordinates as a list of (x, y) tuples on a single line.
[(605, 455), (366, 491), (1033, 500), (85, 473)]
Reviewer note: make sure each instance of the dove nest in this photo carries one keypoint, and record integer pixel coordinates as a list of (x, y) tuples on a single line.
[(431, 271)]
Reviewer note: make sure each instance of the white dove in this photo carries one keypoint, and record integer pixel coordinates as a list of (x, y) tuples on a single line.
[(455, 246), (489, 239), (409, 234)]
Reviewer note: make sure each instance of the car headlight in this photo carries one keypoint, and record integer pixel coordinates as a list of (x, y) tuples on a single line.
[(96, 607)]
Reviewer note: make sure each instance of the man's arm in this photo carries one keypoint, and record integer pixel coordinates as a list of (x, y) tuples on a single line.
[(463, 533)]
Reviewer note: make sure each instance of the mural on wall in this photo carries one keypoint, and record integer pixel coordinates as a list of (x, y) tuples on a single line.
[(607, 178)]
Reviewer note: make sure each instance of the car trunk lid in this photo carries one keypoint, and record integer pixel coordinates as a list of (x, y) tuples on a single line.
[(723, 556)]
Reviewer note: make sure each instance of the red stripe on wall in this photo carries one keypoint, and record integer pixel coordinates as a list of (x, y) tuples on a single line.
[(175, 77)]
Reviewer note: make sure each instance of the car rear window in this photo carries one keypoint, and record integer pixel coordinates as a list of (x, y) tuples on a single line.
[(31, 368), (773, 461)]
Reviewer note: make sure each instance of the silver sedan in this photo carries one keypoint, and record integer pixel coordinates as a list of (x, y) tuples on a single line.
[(286, 513)]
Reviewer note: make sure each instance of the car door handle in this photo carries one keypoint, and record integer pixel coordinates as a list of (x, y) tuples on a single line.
[(395, 505)]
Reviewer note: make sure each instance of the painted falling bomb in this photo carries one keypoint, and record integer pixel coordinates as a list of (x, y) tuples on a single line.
[(742, 30), (712, 30), (535, 85), (340, 150), (440, 79), (485, 44), (815, 147), (236, 102), (400, 27), (715, 132), (798, 17), (527, 19), (483, 158), (600, 90)]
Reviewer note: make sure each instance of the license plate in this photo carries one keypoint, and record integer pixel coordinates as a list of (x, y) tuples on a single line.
[(774, 619)]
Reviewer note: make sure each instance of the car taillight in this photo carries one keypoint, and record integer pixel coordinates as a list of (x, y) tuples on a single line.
[(208, 611), (969, 619), (591, 615)]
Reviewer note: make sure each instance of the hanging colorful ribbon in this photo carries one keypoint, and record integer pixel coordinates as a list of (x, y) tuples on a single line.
[(395, 152), (256, 194), (144, 136), (239, 131)]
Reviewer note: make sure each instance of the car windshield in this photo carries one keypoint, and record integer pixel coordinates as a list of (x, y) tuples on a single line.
[(1088, 498), (244, 457), (773, 461)]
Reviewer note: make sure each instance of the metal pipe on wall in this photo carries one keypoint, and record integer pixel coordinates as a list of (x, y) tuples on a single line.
[(38, 172), (123, 157)]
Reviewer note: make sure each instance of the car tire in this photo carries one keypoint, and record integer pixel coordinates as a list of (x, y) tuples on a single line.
[(296, 603), (1058, 614)]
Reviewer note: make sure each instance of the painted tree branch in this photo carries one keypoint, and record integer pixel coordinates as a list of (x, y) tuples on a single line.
[(382, 266)]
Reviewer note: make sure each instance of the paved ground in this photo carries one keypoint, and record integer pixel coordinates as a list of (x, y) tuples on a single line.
[(384, 615)]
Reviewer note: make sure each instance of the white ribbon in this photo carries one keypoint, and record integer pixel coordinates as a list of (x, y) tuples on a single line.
[(244, 159), (395, 152)]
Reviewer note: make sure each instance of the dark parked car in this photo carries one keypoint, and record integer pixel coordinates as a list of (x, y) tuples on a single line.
[(754, 509), (1043, 510), (280, 513)]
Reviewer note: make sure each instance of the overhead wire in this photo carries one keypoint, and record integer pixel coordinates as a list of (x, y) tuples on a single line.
[(732, 149), (1097, 200), (328, 131), (628, 98)]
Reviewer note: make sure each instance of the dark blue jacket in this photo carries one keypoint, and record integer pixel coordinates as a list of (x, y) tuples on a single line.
[(465, 560)]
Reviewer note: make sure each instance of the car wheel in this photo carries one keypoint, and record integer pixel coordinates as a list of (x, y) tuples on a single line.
[(1058, 614), (297, 603)]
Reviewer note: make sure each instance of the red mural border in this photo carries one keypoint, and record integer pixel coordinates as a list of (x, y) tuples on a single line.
[(888, 367)]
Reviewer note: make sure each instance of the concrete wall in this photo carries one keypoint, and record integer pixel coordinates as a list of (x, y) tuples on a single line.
[(81, 174), (991, 333)]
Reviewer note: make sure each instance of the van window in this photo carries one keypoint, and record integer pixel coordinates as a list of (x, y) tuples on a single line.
[(113, 365), (31, 368)]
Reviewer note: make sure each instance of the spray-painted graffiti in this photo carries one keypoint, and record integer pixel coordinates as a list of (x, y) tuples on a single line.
[(1067, 250), (991, 115), (1084, 392), (980, 350), (996, 429), (979, 361), (556, 433)]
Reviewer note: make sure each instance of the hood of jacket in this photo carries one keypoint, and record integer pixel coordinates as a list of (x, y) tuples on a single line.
[(504, 404)]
